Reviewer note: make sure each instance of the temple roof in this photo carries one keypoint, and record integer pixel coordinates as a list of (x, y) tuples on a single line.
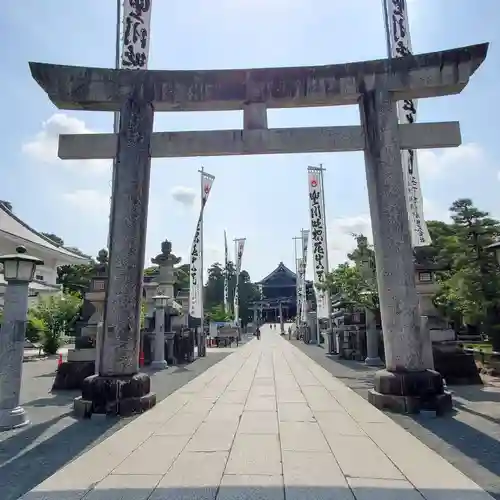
[(13, 226), (281, 272)]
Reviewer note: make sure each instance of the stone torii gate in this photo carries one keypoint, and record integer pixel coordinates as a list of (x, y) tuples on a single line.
[(373, 85)]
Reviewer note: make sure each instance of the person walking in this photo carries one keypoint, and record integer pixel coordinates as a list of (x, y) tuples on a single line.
[(257, 333)]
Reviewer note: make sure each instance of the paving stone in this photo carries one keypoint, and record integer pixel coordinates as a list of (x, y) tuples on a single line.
[(302, 436), (225, 411), (338, 423), (359, 409), (245, 487), (213, 436), (261, 403), (193, 476), (199, 405), (431, 474), (258, 422), (255, 454), (233, 397), (263, 381), (287, 396), (181, 424), (155, 456), (383, 489), (319, 399), (295, 412), (259, 391), (129, 487), (359, 456), (313, 476)]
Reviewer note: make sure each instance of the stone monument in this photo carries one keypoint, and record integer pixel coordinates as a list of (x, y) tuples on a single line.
[(375, 86), (81, 361)]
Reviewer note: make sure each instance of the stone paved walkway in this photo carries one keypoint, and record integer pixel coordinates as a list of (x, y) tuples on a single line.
[(265, 423)]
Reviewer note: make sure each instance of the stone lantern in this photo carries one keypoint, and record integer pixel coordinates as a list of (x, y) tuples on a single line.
[(19, 271)]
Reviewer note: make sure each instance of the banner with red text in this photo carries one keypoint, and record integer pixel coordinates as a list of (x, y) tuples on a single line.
[(318, 239)]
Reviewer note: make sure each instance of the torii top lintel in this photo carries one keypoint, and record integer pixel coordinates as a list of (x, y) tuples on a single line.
[(412, 77)]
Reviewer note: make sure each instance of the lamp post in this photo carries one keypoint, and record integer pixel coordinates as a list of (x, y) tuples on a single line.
[(19, 271), (160, 302)]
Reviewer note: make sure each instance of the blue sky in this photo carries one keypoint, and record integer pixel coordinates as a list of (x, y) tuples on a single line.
[(262, 198)]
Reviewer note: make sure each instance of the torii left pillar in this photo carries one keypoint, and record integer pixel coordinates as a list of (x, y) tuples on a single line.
[(119, 387)]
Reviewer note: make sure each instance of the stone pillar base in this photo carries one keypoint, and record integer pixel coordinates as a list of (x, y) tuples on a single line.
[(374, 362), (410, 392), (120, 395), (71, 374), (13, 418), (159, 365)]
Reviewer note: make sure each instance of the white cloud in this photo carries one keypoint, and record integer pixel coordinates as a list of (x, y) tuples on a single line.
[(184, 195), (44, 146), (340, 232), (340, 239), (434, 164), (89, 200)]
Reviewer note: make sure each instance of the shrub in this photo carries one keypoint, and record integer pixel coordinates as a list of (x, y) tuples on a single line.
[(34, 328), (58, 313)]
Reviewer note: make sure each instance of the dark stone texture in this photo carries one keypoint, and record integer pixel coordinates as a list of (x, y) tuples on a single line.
[(410, 392), (456, 366), (127, 241), (71, 374), (101, 89), (85, 342), (121, 395)]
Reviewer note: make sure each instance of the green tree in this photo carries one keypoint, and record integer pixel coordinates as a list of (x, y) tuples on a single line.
[(58, 314), (217, 314), (181, 274), (75, 279), (150, 271), (356, 280), (56, 239), (214, 289), (470, 283)]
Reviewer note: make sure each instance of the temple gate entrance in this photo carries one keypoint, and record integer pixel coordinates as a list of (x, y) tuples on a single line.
[(374, 86)]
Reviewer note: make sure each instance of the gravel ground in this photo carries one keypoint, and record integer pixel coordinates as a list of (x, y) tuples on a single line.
[(469, 438), (31, 454)]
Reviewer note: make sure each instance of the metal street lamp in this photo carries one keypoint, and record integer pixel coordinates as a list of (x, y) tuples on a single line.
[(160, 302), (19, 270)]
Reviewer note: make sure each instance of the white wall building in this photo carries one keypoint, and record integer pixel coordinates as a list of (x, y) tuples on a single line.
[(15, 232)]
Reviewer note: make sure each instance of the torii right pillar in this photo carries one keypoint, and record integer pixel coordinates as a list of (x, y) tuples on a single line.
[(405, 385)]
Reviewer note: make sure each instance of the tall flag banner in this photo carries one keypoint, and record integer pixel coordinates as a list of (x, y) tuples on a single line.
[(318, 239), (399, 45), (132, 52), (226, 277), (136, 34), (300, 297), (305, 242), (196, 261), (240, 246)]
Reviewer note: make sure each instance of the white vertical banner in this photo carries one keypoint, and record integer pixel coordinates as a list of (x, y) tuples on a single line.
[(240, 246), (196, 261), (131, 52), (300, 297), (136, 34), (305, 242), (400, 46), (226, 277), (318, 239)]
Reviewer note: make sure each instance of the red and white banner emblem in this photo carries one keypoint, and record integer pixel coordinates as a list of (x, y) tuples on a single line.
[(318, 239)]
